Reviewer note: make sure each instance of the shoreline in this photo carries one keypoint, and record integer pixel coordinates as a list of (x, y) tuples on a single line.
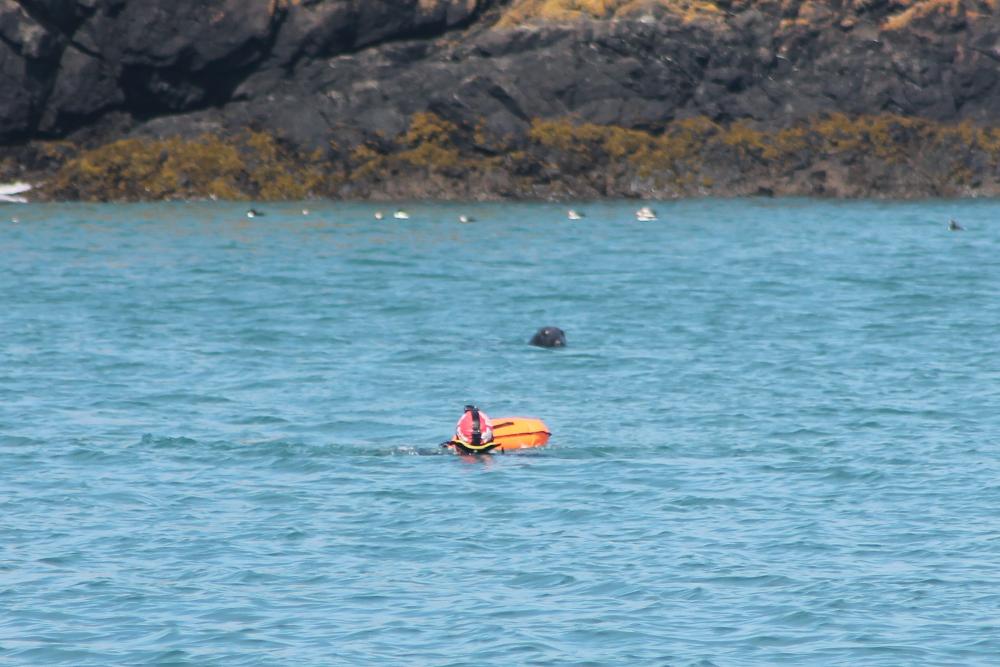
[(388, 204), (829, 156)]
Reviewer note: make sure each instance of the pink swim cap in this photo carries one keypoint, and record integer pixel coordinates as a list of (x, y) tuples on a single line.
[(463, 431)]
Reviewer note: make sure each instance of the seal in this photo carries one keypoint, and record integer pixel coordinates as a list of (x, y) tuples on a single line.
[(549, 337)]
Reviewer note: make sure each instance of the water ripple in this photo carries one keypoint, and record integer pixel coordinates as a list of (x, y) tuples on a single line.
[(773, 435)]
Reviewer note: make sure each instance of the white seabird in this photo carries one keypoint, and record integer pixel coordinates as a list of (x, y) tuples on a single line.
[(645, 214), (400, 214), (379, 215), (465, 218), (575, 215)]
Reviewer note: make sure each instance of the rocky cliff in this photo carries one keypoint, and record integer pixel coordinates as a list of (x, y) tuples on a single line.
[(481, 78)]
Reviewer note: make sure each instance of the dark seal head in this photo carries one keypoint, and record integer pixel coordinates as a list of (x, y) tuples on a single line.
[(549, 337)]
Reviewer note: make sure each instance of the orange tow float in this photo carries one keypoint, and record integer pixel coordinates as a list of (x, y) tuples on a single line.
[(509, 434)]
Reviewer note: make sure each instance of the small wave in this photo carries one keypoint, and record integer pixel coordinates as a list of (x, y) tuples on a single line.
[(165, 442), (410, 450), (842, 473), (707, 501), (542, 580), (260, 420), (752, 581), (18, 442), (186, 398), (89, 453)]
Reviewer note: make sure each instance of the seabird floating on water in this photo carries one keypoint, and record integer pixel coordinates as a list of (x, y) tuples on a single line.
[(400, 214), (465, 218), (254, 213), (955, 227), (379, 215), (575, 215), (645, 214)]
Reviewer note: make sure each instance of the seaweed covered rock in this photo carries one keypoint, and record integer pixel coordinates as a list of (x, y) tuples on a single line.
[(347, 76)]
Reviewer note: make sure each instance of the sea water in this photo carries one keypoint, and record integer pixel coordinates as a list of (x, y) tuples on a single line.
[(774, 434)]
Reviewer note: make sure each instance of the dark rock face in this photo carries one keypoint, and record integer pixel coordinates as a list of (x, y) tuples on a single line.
[(82, 89), (29, 57), (347, 71), (194, 58), (66, 62), (549, 337)]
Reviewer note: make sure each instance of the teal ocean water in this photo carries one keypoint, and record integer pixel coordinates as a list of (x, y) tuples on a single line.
[(775, 435)]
